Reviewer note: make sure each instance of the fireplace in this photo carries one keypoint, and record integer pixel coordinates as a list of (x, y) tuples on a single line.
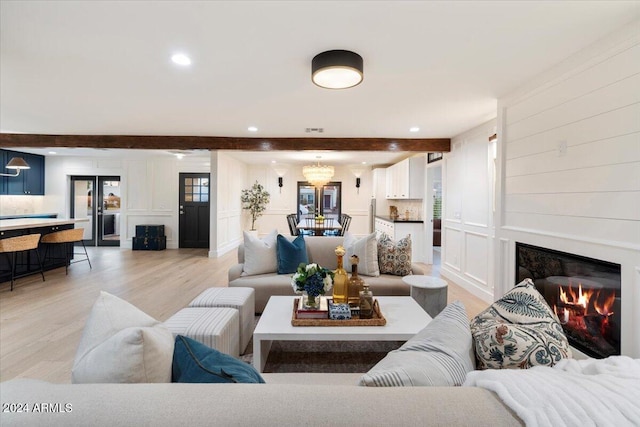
[(585, 293)]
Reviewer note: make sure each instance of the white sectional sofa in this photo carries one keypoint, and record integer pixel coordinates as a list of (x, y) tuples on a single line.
[(286, 400), (320, 250)]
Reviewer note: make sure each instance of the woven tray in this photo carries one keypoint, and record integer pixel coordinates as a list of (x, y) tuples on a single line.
[(377, 320)]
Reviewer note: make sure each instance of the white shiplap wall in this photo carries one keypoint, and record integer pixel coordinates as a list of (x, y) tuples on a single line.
[(570, 166)]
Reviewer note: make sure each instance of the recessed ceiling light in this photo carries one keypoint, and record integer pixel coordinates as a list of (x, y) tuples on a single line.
[(414, 129), (252, 129), (52, 152), (181, 59)]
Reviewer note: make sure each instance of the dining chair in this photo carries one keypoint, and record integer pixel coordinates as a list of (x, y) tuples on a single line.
[(292, 220), (345, 221)]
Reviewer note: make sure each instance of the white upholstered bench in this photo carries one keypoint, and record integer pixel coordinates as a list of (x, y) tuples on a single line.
[(242, 299), (215, 327)]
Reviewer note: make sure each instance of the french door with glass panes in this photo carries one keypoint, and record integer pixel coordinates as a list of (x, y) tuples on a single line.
[(97, 198), (325, 200), (194, 210)]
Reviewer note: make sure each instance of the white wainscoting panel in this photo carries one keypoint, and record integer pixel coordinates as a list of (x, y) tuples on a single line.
[(164, 185), (476, 266), (452, 248), (137, 188)]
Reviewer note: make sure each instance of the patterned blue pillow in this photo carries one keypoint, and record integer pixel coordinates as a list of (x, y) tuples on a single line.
[(291, 254), (194, 362), (519, 331)]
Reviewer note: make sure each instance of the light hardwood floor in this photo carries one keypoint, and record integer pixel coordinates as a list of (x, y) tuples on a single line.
[(41, 322)]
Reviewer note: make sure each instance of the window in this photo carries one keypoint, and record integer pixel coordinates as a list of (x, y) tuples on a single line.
[(196, 189)]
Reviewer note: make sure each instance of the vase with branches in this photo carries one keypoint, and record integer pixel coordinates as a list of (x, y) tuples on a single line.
[(255, 200)]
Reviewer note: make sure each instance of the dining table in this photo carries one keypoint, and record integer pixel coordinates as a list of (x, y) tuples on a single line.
[(319, 226)]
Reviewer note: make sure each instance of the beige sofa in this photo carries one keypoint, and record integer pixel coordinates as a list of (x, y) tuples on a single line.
[(320, 250), (286, 400)]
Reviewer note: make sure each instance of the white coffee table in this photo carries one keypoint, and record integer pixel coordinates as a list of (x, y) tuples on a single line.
[(404, 319)]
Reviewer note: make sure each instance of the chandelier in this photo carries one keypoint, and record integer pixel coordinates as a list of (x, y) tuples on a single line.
[(318, 175)]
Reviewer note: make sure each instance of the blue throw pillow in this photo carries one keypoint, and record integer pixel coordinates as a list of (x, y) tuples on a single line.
[(194, 362), (291, 254)]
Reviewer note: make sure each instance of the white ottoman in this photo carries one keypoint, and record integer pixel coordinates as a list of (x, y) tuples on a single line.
[(242, 299), (215, 327)]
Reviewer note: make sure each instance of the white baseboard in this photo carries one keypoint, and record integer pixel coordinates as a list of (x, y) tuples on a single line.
[(218, 252), (465, 283)]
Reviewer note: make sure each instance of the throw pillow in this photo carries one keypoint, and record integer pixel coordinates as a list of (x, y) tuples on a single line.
[(366, 249), (394, 257), (260, 254), (439, 355), (121, 344), (194, 362), (519, 331), (291, 254)]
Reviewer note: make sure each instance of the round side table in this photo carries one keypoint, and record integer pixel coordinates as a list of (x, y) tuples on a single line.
[(428, 291)]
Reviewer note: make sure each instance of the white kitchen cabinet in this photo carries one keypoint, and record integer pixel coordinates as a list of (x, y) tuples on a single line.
[(399, 229), (379, 183), (405, 180), (382, 226)]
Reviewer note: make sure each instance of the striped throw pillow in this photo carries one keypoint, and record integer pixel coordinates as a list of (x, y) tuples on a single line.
[(439, 355)]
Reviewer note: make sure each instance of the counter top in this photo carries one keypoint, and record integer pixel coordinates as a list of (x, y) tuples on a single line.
[(20, 216), (21, 223), (400, 219)]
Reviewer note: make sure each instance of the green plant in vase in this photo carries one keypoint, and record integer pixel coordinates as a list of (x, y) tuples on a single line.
[(255, 200)]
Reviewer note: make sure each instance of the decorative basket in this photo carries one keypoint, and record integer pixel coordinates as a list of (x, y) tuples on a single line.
[(377, 320)]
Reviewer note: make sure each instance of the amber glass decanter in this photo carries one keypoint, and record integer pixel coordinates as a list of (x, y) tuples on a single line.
[(355, 283), (340, 279), (366, 303)]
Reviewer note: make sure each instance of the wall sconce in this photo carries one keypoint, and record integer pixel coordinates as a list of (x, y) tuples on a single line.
[(357, 172), (280, 170), (16, 163), (493, 140)]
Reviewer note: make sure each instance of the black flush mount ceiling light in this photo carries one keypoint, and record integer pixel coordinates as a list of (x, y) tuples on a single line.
[(337, 69)]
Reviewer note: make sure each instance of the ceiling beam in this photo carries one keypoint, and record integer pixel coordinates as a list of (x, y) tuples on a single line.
[(153, 142)]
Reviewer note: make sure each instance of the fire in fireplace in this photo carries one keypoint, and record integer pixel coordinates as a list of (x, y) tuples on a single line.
[(584, 293)]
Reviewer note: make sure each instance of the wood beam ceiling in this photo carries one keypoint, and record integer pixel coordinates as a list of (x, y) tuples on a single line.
[(153, 142)]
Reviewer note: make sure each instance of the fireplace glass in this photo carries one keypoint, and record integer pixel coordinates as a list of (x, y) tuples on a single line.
[(583, 292)]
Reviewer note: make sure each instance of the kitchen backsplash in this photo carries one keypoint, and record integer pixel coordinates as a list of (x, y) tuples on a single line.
[(13, 205), (414, 207)]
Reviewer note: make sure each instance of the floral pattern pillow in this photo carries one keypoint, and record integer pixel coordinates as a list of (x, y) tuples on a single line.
[(519, 331), (394, 257)]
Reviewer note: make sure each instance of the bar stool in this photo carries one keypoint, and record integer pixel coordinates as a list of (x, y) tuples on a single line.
[(65, 237), (13, 245)]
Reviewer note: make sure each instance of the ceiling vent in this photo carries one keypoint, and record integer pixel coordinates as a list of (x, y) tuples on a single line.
[(314, 130)]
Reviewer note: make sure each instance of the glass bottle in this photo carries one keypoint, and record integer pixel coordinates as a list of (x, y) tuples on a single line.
[(340, 279), (355, 282), (366, 303)]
